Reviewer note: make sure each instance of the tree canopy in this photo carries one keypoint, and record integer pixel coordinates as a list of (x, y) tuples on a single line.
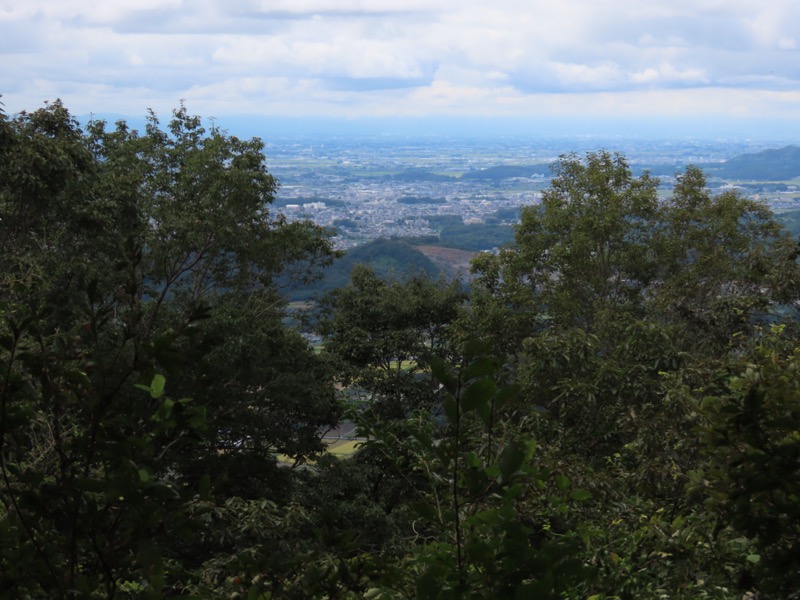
[(609, 410), (144, 355)]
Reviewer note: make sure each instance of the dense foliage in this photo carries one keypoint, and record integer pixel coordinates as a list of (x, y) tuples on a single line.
[(477, 236), (611, 411), (129, 258)]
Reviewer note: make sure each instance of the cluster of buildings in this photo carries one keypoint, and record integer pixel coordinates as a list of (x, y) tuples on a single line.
[(367, 209), (366, 189)]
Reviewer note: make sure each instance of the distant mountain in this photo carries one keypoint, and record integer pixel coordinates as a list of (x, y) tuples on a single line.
[(779, 164)]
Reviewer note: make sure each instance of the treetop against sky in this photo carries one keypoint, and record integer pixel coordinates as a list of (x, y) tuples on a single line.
[(658, 59)]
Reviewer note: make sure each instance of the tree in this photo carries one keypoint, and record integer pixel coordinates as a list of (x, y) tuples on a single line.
[(602, 250), (588, 248), (140, 260), (725, 263), (752, 475), (489, 521), (382, 335), (621, 309), (606, 288)]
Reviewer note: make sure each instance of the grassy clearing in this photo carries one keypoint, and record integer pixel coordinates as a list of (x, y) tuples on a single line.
[(405, 365), (340, 448)]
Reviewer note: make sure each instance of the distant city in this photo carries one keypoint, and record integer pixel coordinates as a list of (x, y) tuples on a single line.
[(389, 186)]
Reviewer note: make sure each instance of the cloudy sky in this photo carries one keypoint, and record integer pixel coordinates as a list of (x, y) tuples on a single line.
[(728, 60)]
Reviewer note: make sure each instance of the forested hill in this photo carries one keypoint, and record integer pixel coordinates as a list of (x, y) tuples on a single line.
[(388, 258), (394, 258), (768, 165)]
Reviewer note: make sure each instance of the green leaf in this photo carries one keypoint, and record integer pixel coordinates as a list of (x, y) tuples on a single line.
[(473, 460), (478, 395), (164, 411), (477, 348), (167, 406), (511, 459), (580, 495), (197, 419), (157, 386), (483, 366)]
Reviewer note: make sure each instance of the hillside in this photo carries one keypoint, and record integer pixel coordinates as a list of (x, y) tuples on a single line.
[(450, 261), (778, 164), (389, 258)]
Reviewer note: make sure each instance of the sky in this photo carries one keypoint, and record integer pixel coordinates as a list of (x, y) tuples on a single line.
[(721, 65)]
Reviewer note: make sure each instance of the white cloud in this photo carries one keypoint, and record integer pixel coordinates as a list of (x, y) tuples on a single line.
[(586, 76), (348, 6), (666, 73), (773, 26), (403, 56), (89, 11)]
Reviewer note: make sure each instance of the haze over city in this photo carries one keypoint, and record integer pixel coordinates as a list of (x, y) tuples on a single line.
[(661, 67)]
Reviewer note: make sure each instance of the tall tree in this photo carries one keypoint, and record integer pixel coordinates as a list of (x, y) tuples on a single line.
[(602, 250), (140, 260), (588, 247), (382, 335), (623, 309), (724, 261)]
